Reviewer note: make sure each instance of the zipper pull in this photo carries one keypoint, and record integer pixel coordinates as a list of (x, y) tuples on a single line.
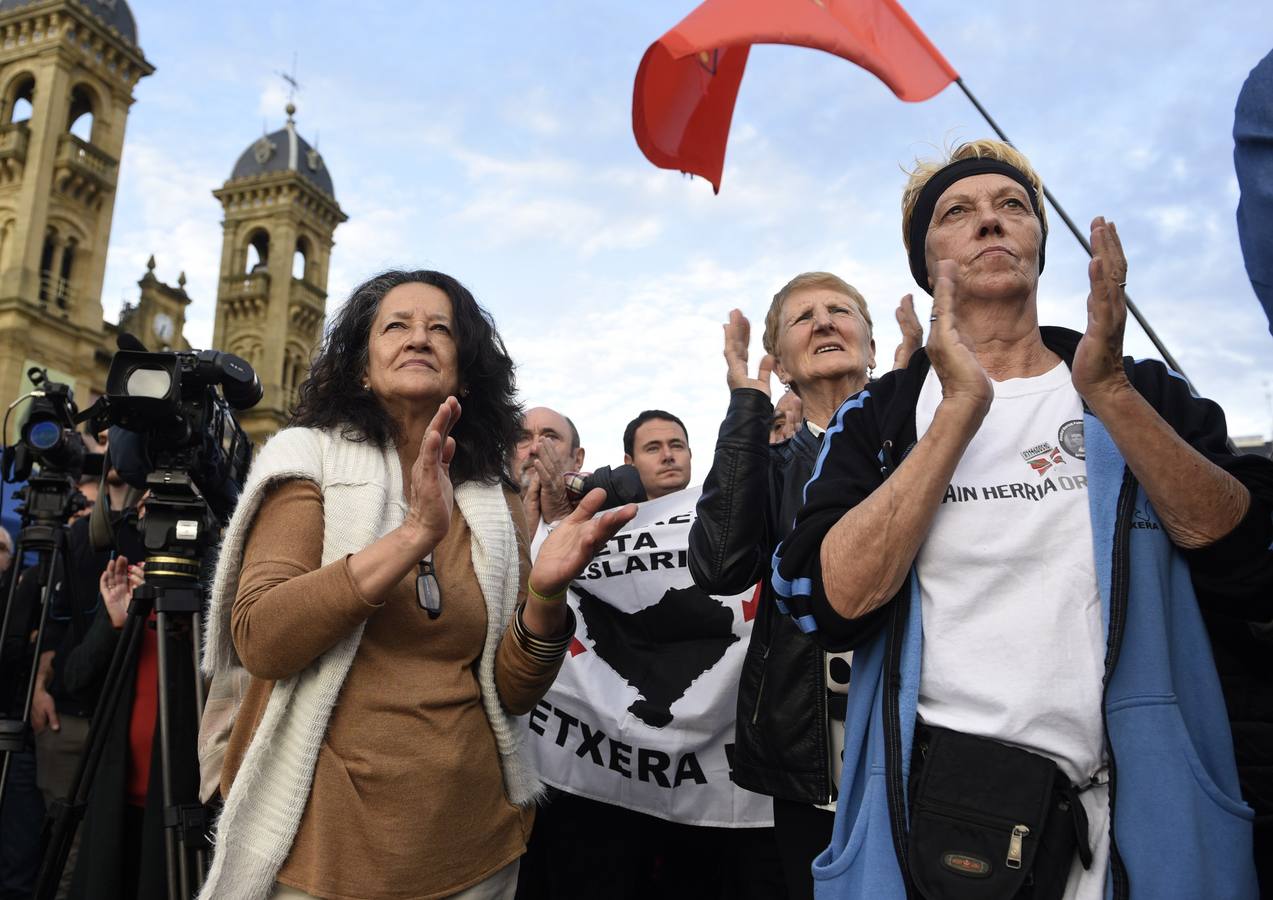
[(1014, 846)]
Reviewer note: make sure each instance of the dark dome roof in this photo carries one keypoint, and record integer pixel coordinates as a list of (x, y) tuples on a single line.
[(284, 151), (111, 12)]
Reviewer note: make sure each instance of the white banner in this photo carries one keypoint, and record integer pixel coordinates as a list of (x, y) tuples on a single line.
[(642, 714)]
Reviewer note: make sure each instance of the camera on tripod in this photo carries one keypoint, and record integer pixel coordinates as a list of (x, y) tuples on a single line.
[(175, 420), (172, 432), (49, 438)]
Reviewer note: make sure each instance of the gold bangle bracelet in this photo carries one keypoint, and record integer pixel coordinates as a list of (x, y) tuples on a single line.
[(547, 652), (531, 639)]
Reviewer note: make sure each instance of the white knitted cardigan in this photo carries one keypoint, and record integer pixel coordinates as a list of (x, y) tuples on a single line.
[(362, 500)]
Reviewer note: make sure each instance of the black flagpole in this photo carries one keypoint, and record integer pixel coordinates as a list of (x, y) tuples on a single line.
[(1082, 239)]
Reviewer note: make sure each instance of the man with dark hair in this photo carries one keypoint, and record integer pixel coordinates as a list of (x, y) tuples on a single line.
[(585, 845), (657, 445), (547, 448)]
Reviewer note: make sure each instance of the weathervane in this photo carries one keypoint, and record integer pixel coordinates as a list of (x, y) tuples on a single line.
[(292, 86)]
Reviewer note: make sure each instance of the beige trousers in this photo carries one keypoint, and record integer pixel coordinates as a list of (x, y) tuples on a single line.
[(500, 886)]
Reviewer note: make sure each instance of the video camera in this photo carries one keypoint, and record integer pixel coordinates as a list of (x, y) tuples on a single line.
[(168, 417), (49, 438)]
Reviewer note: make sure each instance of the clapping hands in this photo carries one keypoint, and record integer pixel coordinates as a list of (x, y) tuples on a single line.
[(963, 380), (737, 337), (575, 541), (431, 496), (1098, 362), (912, 332)]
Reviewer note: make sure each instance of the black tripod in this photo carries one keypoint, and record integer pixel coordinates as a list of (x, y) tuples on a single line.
[(44, 514), (176, 531)]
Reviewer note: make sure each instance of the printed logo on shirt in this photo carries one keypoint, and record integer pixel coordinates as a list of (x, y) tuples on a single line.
[(1142, 519), (1070, 438), (1042, 457), (1021, 490)]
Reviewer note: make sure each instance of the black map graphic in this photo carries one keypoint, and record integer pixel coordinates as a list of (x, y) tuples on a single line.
[(662, 649)]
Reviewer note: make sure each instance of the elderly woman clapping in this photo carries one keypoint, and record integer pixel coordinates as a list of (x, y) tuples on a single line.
[(1016, 532), (375, 583), (818, 340)]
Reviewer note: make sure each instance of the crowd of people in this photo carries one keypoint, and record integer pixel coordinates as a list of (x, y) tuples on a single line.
[(1010, 632)]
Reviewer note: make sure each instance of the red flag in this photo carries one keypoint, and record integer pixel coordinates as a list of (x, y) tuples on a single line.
[(686, 85)]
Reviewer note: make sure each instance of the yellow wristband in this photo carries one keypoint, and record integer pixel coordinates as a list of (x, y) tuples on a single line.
[(555, 598)]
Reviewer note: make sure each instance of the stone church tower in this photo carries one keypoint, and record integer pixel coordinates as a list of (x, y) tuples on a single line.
[(67, 73), (280, 214)]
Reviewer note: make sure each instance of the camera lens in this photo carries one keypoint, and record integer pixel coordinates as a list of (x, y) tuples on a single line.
[(144, 382), (44, 436)]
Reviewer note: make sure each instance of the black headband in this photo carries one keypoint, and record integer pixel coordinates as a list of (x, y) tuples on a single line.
[(922, 215)]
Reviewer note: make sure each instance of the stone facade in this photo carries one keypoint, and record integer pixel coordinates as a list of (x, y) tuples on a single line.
[(67, 73), (61, 68)]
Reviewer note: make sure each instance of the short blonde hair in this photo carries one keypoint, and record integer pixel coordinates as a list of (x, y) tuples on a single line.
[(803, 282), (985, 148)]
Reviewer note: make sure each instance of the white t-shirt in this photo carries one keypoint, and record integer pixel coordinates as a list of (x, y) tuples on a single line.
[(1014, 642)]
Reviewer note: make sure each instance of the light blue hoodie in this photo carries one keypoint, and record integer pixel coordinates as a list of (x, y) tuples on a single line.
[(1181, 829)]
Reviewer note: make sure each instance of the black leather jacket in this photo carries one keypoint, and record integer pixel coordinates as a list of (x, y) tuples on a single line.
[(749, 501)]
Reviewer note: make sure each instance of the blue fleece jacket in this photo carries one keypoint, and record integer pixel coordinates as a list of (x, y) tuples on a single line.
[(1181, 829)]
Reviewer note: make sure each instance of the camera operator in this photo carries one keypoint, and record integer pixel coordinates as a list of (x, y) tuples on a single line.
[(20, 850), (122, 840), (60, 716)]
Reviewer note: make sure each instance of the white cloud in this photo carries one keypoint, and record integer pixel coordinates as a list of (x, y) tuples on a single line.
[(166, 209), (610, 278)]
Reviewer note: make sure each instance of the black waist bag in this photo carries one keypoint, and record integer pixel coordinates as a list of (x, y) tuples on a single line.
[(989, 821)]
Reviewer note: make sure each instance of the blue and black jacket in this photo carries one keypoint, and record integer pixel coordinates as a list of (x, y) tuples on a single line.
[(1180, 826)]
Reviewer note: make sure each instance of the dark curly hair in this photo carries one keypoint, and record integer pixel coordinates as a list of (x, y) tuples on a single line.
[(333, 397)]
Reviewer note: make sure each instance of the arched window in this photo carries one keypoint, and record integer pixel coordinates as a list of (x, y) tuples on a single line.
[(300, 259), (46, 266), (64, 283), (79, 120), (18, 105), (258, 251)]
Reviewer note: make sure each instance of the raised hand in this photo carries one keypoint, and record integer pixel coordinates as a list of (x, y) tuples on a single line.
[(116, 585), (1098, 362), (912, 332), (554, 502), (430, 496), (737, 337), (575, 541), (963, 380), (530, 501)]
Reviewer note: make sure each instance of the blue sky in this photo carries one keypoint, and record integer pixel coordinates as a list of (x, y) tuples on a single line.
[(494, 142)]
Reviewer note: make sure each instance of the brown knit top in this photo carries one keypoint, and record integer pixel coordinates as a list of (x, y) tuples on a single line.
[(408, 796)]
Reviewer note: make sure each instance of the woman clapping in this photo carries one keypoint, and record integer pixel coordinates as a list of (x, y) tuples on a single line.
[(375, 582)]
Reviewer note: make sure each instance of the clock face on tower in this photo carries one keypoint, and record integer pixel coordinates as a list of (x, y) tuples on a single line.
[(162, 325)]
